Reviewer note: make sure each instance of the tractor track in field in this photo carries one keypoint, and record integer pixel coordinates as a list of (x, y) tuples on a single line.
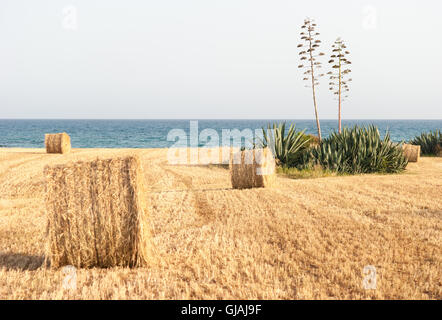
[(4, 172), (201, 204), (18, 164)]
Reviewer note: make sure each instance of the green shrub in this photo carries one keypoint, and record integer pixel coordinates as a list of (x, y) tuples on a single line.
[(306, 173), (357, 150), (286, 147), (430, 142)]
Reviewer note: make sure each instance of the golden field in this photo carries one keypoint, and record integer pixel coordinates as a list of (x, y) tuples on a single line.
[(304, 239)]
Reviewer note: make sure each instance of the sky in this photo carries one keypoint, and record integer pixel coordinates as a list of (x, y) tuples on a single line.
[(223, 59)]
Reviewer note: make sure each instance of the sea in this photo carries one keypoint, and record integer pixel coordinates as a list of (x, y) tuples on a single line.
[(29, 133)]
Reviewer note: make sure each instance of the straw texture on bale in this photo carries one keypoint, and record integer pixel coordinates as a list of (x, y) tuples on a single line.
[(252, 169), (314, 140), (57, 143), (97, 215), (439, 150), (412, 152)]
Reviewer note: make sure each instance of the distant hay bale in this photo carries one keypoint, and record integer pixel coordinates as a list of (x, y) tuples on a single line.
[(57, 143), (411, 152), (314, 140), (438, 150), (252, 169), (97, 215)]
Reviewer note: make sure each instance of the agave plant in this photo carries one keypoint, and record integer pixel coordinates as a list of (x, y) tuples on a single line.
[(431, 142), (286, 147), (358, 150)]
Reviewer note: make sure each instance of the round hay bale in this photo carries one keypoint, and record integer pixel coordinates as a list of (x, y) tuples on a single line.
[(252, 169), (439, 150), (411, 152), (57, 143), (97, 214), (314, 140)]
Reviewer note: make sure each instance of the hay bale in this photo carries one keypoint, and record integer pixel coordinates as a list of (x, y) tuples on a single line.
[(57, 143), (438, 150), (314, 140), (411, 152), (97, 215), (252, 169)]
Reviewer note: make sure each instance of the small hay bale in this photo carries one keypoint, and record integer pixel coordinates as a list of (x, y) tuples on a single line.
[(252, 169), (314, 140), (438, 150), (97, 215), (411, 152), (57, 143)]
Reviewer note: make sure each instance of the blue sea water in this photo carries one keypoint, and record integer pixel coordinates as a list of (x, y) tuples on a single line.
[(153, 133)]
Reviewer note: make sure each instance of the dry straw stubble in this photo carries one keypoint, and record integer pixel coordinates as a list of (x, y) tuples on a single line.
[(97, 214), (252, 169), (57, 143)]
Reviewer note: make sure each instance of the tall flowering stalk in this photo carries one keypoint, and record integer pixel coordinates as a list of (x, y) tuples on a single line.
[(338, 77), (309, 61)]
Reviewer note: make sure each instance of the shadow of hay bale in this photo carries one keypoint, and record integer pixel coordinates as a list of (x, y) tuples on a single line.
[(20, 261)]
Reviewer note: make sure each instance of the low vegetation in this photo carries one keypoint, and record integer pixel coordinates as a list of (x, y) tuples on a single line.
[(358, 150), (353, 151), (430, 142), (287, 146), (306, 173)]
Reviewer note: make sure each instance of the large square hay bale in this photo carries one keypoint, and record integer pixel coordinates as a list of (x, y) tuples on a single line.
[(57, 143), (412, 152), (252, 169), (97, 215)]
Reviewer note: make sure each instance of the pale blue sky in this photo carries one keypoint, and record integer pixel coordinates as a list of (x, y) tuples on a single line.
[(214, 59)]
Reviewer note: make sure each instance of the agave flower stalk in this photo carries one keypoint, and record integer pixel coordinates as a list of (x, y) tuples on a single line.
[(309, 61), (338, 78)]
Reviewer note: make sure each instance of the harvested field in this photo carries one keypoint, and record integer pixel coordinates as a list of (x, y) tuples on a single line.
[(304, 239)]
